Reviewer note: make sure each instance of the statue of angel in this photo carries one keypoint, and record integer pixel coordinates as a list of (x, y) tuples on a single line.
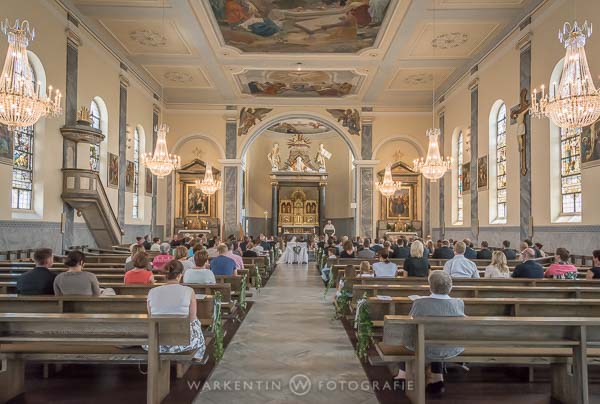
[(322, 156), (274, 157)]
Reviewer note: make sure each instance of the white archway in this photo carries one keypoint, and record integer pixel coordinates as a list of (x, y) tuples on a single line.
[(399, 138), (198, 136), (284, 116)]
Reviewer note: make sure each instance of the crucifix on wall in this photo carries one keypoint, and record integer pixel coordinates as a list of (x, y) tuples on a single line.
[(518, 115)]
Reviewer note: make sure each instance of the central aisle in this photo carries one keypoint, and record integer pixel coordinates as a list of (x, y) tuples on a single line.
[(289, 334)]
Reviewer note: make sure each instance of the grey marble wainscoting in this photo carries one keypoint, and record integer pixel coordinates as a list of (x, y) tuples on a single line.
[(580, 240), (455, 233), (496, 235), (29, 234), (289, 333)]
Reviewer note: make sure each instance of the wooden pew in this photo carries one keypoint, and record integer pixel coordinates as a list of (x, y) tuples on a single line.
[(506, 306), (123, 304), (482, 282), (480, 291), (102, 278), (72, 338), (524, 340)]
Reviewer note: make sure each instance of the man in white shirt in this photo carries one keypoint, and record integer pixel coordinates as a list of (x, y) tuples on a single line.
[(459, 266)]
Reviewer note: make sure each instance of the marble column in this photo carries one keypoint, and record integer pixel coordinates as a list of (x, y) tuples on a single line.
[(274, 207), (322, 205), (69, 157), (124, 83), (474, 87), (427, 204), (442, 210), (153, 228), (366, 172), (231, 176), (525, 228), (170, 194)]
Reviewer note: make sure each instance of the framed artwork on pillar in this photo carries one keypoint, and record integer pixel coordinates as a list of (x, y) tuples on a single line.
[(129, 176), (148, 178), (466, 177), (6, 145), (196, 203), (482, 173), (113, 171)]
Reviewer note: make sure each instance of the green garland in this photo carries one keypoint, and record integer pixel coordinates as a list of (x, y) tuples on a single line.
[(364, 327), (243, 293), (342, 304), (217, 328), (330, 284), (258, 280)]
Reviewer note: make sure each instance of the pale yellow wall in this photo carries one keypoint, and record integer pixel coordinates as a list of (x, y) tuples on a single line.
[(98, 75), (498, 76)]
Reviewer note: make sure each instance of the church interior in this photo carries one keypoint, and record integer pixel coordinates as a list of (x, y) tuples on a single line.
[(300, 201)]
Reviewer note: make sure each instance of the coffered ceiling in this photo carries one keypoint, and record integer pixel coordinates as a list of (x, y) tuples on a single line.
[(387, 53)]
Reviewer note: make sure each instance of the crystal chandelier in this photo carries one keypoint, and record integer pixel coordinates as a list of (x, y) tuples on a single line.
[(575, 103), (161, 163), (388, 186), (434, 166), (208, 185), (22, 101)]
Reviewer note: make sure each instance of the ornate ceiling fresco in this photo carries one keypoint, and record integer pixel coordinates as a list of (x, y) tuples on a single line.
[(384, 53), (294, 83), (300, 26)]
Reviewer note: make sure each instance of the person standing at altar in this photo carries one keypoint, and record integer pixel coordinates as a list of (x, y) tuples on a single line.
[(329, 230)]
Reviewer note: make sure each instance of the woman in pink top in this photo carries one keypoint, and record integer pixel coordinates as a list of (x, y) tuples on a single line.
[(561, 269), (161, 260)]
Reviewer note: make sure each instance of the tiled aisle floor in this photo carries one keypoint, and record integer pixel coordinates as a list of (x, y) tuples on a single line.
[(289, 333)]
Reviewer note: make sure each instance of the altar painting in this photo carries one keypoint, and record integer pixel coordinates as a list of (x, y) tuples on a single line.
[(400, 205), (196, 202)]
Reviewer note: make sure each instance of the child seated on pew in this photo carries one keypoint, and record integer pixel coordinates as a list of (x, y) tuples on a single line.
[(561, 269), (364, 271), (140, 273), (326, 270)]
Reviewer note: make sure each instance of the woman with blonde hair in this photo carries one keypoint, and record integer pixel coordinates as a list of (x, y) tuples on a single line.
[(365, 269), (498, 267), (181, 255), (417, 264)]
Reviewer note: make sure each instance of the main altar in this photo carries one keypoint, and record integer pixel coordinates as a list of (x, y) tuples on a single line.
[(298, 190)]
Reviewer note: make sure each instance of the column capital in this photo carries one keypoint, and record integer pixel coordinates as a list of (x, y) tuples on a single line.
[(474, 84), (156, 109), (124, 81), (367, 116), (231, 113), (365, 163), (525, 41), (73, 38), (231, 162)]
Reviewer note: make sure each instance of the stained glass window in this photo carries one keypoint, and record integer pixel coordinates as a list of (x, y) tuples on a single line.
[(570, 170), (459, 193), (136, 175), (501, 162), (95, 148), (22, 181)]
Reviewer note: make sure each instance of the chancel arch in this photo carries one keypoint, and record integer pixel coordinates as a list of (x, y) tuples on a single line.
[(289, 131)]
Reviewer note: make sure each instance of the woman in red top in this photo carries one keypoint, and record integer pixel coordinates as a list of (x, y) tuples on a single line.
[(562, 268), (139, 273), (161, 260)]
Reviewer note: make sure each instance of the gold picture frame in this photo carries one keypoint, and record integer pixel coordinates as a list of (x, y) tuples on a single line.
[(196, 203), (401, 204)]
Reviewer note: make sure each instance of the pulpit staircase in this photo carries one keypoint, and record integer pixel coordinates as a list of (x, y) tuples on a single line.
[(83, 190)]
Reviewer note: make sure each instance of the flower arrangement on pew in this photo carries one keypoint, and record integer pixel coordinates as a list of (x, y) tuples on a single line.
[(243, 293), (364, 328), (217, 328)]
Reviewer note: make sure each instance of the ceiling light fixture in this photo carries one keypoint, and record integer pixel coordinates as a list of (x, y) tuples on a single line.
[(22, 101), (161, 163), (575, 103), (388, 186), (208, 185)]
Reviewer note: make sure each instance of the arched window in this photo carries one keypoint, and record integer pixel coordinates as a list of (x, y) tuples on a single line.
[(570, 171), (459, 177), (136, 175), (501, 162), (95, 148), (22, 176)]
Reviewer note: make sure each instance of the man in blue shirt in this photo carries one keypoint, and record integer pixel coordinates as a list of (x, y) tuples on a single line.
[(222, 265)]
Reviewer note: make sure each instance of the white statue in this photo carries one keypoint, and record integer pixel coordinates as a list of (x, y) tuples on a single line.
[(274, 157), (322, 155), (299, 166)]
